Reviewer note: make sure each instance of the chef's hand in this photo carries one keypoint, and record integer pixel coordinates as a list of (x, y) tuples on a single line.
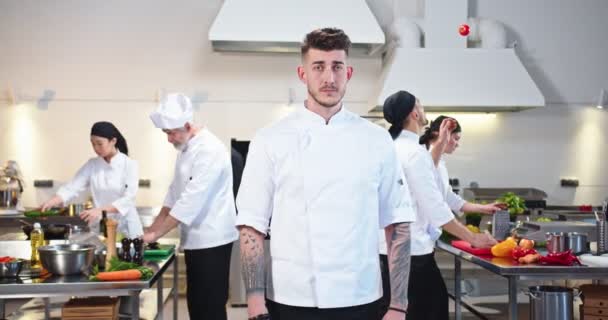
[(256, 305), (394, 315), (91, 216), (492, 208), (55, 201), (445, 131), (149, 237), (483, 240)]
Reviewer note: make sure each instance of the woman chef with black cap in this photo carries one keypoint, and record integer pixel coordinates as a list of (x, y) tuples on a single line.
[(111, 177), (427, 292)]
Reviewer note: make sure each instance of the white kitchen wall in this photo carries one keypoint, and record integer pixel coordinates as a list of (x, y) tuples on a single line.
[(107, 60)]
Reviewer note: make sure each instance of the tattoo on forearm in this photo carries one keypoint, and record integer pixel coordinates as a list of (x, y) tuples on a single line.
[(399, 264), (252, 257)]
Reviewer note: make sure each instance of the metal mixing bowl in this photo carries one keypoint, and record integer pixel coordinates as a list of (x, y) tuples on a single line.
[(67, 259), (10, 269)]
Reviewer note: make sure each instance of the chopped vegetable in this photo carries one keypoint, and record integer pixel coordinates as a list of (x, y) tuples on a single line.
[(473, 228), (515, 204), (520, 252), (530, 258), (8, 259), (131, 274), (121, 270), (38, 213), (504, 248), (544, 219), (565, 258), (526, 243)]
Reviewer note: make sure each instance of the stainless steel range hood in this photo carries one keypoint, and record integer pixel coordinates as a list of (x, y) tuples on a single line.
[(280, 25), (465, 80), (478, 72)]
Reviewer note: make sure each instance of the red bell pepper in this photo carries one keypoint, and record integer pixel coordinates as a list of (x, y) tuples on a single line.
[(520, 252), (565, 258)]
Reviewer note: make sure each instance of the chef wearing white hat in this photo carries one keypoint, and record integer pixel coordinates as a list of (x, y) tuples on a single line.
[(200, 200)]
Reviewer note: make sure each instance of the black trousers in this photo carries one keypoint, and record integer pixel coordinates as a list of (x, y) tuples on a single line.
[(427, 293), (283, 312), (207, 272), (385, 301)]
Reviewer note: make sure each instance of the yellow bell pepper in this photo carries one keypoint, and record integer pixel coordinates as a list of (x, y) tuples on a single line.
[(504, 248)]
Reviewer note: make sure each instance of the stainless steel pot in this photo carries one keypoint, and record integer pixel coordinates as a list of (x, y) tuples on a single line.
[(551, 303), (577, 242), (10, 269), (556, 242), (67, 259)]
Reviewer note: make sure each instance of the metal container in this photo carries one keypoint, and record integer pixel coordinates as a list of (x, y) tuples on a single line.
[(556, 242), (577, 242), (10, 269), (551, 303), (9, 197), (75, 209), (67, 259)]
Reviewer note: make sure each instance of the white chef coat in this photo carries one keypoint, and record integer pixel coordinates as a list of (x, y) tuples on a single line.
[(454, 201), (432, 211), (200, 195), (113, 183), (328, 188)]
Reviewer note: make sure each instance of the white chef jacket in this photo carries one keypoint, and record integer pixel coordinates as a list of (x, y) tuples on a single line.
[(113, 183), (328, 188), (200, 195), (454, 201), (432, 211)]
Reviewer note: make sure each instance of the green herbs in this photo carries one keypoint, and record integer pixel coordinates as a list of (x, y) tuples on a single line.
[(515, 204), (118, 265)]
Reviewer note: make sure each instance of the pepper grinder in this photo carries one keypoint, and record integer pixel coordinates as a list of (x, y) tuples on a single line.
[(126, 250), (111, 226), (138, 245)]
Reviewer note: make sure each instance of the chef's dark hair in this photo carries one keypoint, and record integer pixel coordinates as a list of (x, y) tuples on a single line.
[(432, 131), (326, 39), (397, 107), (107, 130)]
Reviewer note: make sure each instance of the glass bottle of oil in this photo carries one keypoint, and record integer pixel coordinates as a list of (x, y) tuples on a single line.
[(37, 240)]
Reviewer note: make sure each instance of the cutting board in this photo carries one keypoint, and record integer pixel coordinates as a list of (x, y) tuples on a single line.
[(466, 247), (103, 308), (163, 251)]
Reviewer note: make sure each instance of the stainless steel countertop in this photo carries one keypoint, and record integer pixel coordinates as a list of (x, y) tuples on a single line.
[(73, 285), (507, 267)]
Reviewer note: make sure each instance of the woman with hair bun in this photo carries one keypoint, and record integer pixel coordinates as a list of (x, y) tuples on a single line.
[(111, 177)]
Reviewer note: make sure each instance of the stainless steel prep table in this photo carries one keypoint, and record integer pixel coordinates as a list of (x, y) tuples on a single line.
[(79, 285), (513, 272)]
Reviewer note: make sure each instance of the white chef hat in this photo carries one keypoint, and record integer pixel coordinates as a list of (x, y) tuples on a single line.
[(173, 112)]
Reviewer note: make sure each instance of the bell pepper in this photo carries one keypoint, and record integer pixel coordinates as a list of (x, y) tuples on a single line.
[(565, 258), (520, 252), (504, 248)]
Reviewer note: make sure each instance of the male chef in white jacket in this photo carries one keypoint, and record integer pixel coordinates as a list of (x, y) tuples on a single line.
[(201, 202), (328, 180)]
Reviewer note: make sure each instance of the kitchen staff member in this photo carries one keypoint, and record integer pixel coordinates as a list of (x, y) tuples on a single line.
[(111, 177), (441, 138), (326, 180), (428, 298), (201, 203)]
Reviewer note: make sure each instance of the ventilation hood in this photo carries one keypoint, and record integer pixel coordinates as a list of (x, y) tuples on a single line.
[(280, 25), (465, 80), (479, 72)]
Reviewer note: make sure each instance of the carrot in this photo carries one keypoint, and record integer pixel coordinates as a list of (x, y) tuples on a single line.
[(531, 258), (132, 274)]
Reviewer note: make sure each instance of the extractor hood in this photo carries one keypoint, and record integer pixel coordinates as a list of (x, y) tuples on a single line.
[(466, 80), (478, 72), (280, 25)]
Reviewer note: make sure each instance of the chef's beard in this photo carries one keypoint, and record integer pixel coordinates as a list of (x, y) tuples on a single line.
[(179, 146)]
